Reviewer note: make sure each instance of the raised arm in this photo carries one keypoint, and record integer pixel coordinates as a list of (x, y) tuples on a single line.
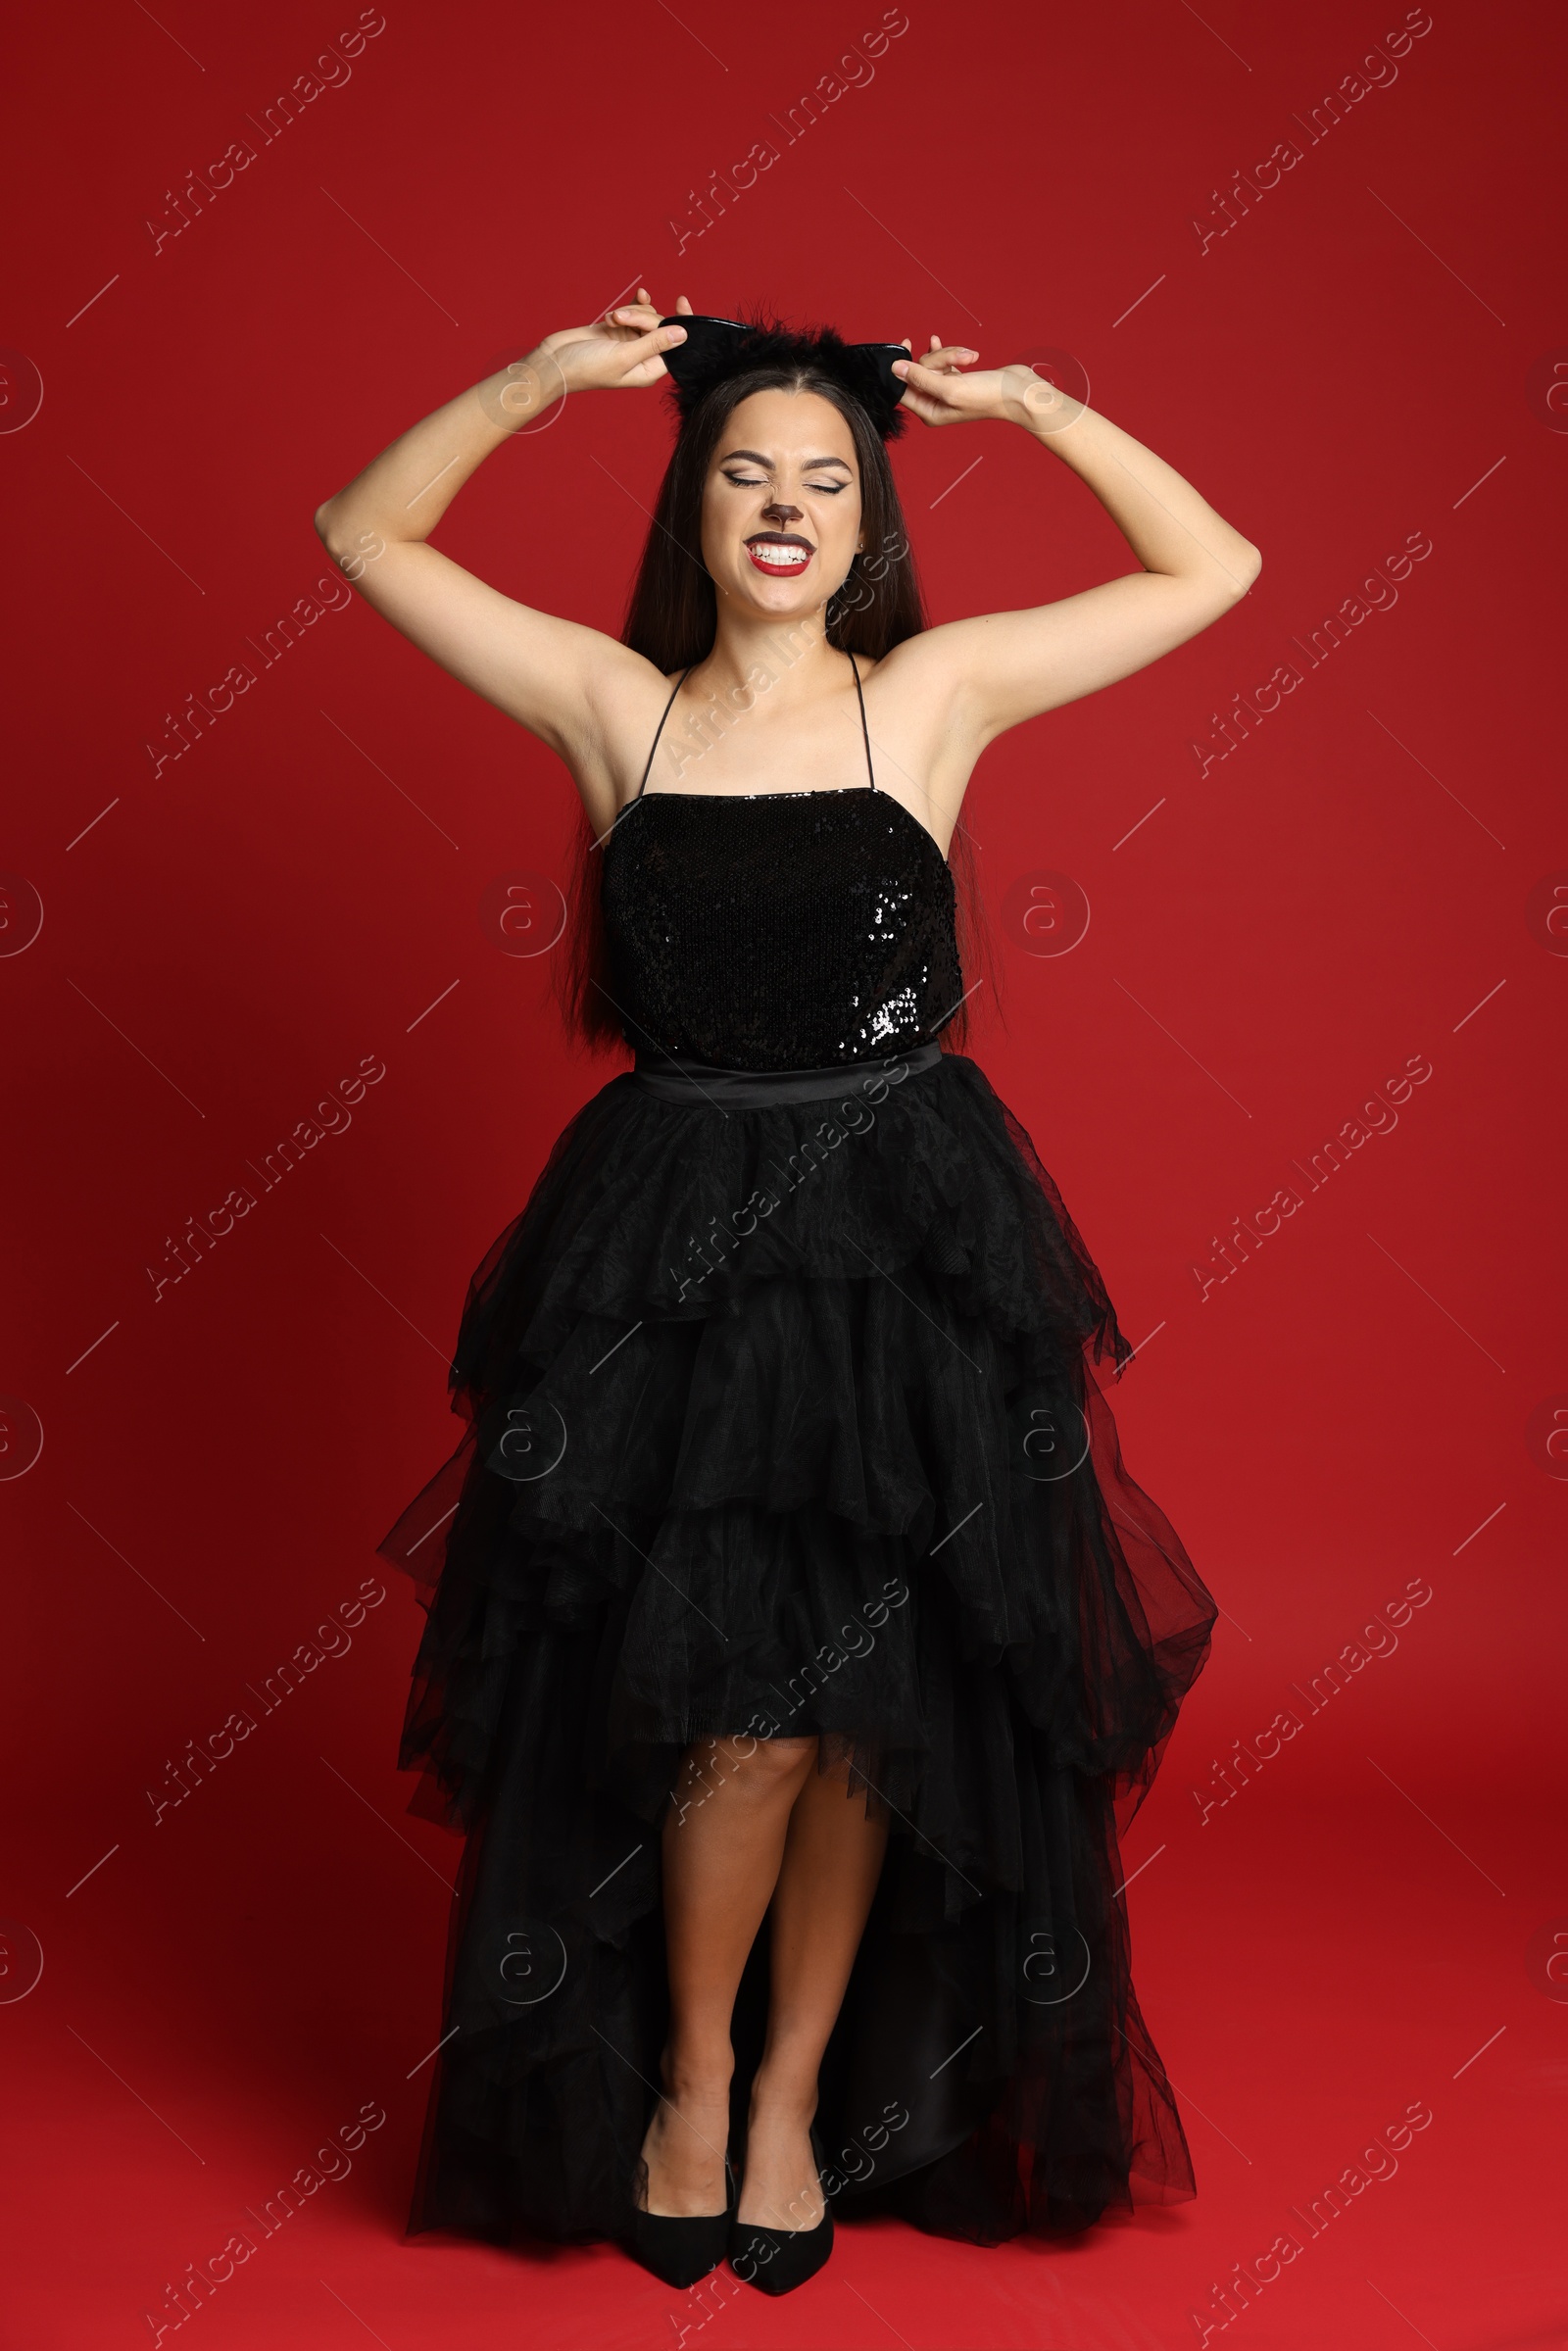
[(547, 673), (1003, 668)]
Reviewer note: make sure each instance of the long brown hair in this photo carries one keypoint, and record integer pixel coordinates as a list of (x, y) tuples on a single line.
[(672, 620)]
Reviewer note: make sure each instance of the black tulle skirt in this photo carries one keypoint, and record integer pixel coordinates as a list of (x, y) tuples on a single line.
[(787, 1421)]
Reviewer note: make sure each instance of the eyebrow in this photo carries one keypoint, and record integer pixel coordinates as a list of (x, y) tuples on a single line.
[(758, 459)]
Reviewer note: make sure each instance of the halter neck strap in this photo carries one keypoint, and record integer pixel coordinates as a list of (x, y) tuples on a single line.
[(865, 731), (859, 697), (659, 730)]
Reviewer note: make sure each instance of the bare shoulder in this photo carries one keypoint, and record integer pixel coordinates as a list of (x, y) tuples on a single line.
[(927, 671), (915, 676), (585, 695)]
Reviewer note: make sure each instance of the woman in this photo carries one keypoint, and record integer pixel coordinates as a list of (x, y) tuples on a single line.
[(788, 1570)]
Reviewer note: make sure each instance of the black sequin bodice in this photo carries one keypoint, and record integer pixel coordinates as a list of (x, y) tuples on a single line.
[(778, 930)]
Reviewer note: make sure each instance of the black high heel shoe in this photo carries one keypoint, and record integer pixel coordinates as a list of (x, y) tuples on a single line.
[(778, 2260), (677, 2248)]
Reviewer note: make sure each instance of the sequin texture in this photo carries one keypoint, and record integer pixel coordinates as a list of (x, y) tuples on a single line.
[(785, 930)]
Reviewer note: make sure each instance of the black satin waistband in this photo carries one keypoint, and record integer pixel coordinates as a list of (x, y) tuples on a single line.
[(672, 1078)]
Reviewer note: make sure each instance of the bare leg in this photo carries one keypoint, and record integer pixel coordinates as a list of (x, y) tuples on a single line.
[(832, 1859), (724, 1842)]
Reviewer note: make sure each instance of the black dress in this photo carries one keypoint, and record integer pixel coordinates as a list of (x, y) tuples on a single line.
[(783, 1421)]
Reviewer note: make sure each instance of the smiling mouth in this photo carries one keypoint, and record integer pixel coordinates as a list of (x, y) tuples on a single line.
[(779, 552)]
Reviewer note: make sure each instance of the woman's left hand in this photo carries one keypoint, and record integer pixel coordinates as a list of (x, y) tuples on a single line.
[(939, 391)]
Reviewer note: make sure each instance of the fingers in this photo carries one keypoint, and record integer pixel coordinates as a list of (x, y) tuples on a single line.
[(932, 384), (651, 346), (947, 361), (913, 369), (950, 355), (645, 311)]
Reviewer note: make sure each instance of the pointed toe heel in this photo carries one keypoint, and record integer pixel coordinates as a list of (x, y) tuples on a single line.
[(778, 2260), (680, 2250)]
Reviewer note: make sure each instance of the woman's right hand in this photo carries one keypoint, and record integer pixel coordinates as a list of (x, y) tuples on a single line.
[(620, 352)]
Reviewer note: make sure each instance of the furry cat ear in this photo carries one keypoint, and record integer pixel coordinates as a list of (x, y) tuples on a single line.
[(715, 349)]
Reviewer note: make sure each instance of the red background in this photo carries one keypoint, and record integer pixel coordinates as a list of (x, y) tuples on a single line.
[(1365, 356)]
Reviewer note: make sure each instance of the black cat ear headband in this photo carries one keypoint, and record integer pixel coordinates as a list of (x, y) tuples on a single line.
[(715, 349)]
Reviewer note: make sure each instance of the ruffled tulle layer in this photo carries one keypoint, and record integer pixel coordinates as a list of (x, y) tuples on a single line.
[(785, 1422)]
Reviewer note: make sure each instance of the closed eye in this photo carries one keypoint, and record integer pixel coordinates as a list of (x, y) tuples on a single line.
[(749, 481)]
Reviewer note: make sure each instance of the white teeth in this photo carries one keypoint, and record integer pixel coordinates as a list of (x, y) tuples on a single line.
[(781, 558)]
